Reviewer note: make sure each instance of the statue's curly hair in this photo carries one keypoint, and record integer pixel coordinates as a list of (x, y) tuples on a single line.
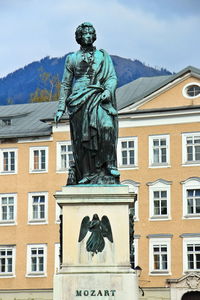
[(79, 31)]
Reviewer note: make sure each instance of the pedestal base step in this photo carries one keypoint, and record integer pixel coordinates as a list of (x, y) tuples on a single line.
[(95, 286)]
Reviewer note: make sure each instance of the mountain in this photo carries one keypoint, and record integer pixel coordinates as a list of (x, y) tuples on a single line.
[(16, 87)]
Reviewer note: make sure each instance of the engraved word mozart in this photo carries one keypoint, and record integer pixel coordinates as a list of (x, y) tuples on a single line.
[(102, 293)]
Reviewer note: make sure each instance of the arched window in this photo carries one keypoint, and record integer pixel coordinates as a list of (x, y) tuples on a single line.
[(191, 296)]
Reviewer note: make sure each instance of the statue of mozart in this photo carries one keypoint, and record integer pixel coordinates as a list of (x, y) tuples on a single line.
[(88, 92)]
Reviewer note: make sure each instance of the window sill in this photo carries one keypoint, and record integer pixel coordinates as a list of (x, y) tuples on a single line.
[(62, 171), (37, 222), (160, 218), (159, 273), (192, 216), (38, 171), (36, 275), (8, 173), (191, 164), (128, 167), (7, 275), (154, 166), (7, 223), (192, 271)]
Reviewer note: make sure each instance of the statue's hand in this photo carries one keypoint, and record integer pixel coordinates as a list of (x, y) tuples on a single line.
[(58, 116), (105, 96)]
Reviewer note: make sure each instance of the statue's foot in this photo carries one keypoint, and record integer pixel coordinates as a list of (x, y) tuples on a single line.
[(84, 180), (113, 171)]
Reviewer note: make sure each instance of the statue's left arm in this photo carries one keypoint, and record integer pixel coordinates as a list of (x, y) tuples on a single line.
[(66, 87), (110, 79)]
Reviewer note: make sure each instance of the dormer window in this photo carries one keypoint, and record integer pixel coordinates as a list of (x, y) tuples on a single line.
[(6, 122), (191, 90)]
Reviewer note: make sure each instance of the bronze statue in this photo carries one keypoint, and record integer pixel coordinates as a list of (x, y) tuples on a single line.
[(88, 91), (99, 230)]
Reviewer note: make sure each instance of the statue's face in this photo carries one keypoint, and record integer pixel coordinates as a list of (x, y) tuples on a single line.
[(87, 36)]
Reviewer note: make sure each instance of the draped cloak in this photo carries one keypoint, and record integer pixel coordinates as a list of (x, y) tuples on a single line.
[(93, 123)]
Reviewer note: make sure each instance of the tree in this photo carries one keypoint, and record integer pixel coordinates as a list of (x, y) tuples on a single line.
[(10, 101), (51, 89)]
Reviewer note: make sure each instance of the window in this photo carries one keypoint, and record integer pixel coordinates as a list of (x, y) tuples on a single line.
[(38, 159), (7, 260), (38, 207), (191, 148), (159, 150), (191, 197), (134, 188), (193, 201), (64, 156), (160, 203), (6, 122), (127, 152), (7, 208), (159, 199), (36, 260), (191, 90), (159, 255), (8, 158), (191, 254)]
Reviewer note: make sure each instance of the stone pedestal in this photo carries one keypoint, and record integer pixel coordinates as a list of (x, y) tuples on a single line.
[(103, 275)]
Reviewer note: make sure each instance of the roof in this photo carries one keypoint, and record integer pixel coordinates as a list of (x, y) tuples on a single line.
[(137, 90), (25, 119), (145, 86), (28, 119)]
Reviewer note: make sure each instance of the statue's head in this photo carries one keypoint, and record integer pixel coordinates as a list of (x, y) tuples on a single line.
[(83, 29)]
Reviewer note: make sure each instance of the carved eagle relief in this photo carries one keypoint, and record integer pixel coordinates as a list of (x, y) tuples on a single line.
[(99, 230)]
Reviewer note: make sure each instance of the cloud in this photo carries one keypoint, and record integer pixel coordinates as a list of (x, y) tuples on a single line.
[(32, 29)]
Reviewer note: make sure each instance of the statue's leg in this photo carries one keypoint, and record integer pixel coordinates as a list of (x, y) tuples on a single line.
[(108, 142)]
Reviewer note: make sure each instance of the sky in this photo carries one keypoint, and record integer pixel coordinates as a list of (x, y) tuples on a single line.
[(159, 33)]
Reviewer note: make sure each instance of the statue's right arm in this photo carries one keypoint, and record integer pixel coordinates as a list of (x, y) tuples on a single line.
[(66, 87)]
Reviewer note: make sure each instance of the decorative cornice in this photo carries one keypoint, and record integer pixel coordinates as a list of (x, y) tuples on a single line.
[(189, 235), (160, 235), (190, 179), (163, 181)]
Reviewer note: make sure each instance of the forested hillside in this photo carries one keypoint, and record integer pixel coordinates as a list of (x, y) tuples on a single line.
[(18, 86)]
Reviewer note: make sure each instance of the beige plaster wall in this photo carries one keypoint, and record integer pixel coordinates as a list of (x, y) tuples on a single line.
[(172, 97)]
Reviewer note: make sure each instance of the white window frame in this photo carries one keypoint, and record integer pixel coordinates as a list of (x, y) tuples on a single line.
[(134, 187), (58, 213), (189, 184), (31, 219), (187, 241), (40, 170), (159, 164), (37, 273), (9, 171), (57, 258), (159, 185), (13, 248), (58, 156), (185, 88), (135, 245), (159, 242), (185, 162), (12, 221), (119, 153)]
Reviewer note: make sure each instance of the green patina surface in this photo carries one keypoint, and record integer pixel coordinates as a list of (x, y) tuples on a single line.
[(88, 92)]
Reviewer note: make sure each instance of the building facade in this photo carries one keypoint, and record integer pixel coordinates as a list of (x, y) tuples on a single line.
[(158, 157)]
